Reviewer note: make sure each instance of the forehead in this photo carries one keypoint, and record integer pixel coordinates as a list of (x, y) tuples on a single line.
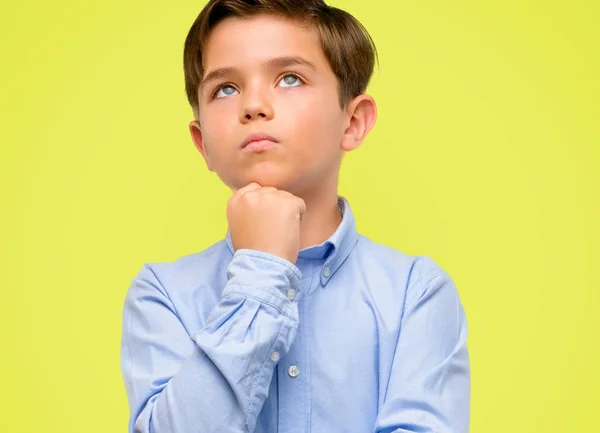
[(250, 41)]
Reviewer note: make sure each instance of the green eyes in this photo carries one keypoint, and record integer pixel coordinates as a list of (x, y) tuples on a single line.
[(288, 80)]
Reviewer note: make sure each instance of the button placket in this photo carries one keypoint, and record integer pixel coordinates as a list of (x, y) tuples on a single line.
[(294, 371)]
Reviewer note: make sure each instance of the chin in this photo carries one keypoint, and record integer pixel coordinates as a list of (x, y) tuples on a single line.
[(269, 175), (269, 181)]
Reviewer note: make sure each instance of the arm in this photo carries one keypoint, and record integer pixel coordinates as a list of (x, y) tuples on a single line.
[(429, 383), (216, 379)]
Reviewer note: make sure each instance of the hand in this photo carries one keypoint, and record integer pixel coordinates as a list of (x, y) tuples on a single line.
[(266, 219)]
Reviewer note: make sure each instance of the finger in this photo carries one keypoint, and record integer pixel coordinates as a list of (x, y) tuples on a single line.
[(301, 208), (250, 187), (268, 189)]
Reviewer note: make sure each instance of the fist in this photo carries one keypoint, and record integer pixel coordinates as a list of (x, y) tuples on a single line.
[(266, 219)]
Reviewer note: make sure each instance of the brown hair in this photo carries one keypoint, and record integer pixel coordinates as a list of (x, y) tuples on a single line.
[(345, 42)]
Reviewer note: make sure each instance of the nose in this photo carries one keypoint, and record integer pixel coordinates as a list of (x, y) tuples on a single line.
[(256, 105)]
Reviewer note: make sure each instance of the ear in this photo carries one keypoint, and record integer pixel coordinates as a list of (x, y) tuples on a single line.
[(362, 114), (196, 132)]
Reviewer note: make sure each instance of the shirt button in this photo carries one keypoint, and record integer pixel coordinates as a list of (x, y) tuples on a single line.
[(326, 271), (291, 293), (275, 356), (293, 371)]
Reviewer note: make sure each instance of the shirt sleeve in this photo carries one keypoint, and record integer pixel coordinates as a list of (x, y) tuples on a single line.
[(429, 383), (218, 378)]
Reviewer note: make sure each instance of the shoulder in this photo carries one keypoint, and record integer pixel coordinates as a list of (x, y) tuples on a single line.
[(413, 272), (189, 264), (393, 280), (189, 286), (187, 272)]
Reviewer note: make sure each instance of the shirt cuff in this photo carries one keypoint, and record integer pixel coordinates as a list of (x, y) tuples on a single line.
[(253, 272)]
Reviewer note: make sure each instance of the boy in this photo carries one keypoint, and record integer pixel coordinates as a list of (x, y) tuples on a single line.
[(294, 322)]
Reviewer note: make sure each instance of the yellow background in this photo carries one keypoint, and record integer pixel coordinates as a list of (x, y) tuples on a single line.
[(485, 157)]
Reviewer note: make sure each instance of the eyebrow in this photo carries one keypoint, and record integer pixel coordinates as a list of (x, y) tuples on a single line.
[(277, 62)]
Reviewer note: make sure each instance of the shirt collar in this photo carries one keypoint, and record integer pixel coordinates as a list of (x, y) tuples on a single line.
[(334, 250)]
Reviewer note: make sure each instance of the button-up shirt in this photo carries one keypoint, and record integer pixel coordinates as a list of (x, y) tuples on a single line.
[(355, 337)]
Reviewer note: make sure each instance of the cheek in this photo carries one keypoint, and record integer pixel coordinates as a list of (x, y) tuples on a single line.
[(323, 125), (316, 115), (217, 131)]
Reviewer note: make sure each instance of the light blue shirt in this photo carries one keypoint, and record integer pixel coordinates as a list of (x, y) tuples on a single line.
[(356, 337)]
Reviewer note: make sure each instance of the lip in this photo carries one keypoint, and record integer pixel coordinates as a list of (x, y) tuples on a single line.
[(258, 142)]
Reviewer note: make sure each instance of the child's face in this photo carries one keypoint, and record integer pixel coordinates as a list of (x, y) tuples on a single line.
[(296, 104)]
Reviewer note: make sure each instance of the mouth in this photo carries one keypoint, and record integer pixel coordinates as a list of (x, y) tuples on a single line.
[(258, 142)]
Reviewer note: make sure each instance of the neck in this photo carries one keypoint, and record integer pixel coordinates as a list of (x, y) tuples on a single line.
[(321, 219)]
